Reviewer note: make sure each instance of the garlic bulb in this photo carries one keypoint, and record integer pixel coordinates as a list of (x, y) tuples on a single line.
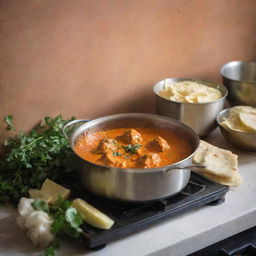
[(24, 210), (40, 235), (25, 207), (37, 223), (38, 218)]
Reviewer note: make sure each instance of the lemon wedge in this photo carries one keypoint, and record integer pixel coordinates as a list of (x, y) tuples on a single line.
[(91, 215)]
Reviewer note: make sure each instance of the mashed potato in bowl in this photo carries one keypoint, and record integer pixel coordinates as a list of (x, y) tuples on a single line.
[(189, 92)]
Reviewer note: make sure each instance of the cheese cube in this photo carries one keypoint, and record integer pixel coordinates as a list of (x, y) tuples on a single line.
[(54, 190), (38, 194)]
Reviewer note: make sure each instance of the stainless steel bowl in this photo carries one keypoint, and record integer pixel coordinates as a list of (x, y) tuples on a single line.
[(240, 79), (243, 140), (134, 184), (199, 116)]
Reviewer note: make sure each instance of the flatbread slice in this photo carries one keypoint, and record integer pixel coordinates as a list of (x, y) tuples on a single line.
[(235, 122), (249, 121), (219, 162), (234, 181)]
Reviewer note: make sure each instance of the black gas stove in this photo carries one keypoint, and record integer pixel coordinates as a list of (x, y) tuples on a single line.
[(241, 244), (130, 218)]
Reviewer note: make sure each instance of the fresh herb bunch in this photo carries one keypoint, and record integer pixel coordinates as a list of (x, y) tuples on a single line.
[(66, 221), (42, 153)]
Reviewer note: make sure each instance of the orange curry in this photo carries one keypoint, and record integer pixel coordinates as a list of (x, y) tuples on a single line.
[(133, 148)]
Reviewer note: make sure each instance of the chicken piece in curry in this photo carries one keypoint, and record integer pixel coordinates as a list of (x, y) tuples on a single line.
[(150, 160), (130, 136), (133, 148)]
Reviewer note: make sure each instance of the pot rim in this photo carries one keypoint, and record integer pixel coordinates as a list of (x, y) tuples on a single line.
[(134, 115)]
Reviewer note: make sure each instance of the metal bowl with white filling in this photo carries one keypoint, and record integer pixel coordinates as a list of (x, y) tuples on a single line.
[(201, 117)]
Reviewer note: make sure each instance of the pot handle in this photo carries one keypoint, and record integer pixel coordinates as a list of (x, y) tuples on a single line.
[(71, 123), (193, 167)]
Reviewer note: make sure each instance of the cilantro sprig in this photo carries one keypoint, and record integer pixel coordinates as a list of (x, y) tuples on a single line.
[(66, 219), (132, 149), (116, 153), (42, 153), (40, 205), (9, 122), (50, 250)]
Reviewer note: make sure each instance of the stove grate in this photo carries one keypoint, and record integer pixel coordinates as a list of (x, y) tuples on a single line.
[(130, 218)]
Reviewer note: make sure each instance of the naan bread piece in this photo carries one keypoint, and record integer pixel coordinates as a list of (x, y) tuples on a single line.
[(248, 120), (235, 122), (189, 92), (234, 181), (232, 122), (245, 109), (219, 162)]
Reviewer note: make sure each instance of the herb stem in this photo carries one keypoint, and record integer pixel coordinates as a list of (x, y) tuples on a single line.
[(32, 142)]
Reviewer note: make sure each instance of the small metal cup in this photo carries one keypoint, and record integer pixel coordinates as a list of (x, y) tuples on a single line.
[(201, 117)]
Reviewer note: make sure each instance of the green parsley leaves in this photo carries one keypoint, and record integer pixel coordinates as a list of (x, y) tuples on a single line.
[(40, 205), (116, 153), (132, 149), (50, 250), (66, 219), (8, 120), (42, 153)]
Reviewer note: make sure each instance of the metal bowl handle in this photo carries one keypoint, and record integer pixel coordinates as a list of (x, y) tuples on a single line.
[(71, 123), (192, 167)]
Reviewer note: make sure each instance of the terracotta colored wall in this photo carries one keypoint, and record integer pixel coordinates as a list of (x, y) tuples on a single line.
[(90, 58)]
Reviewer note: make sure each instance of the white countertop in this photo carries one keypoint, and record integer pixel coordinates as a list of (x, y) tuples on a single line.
[(177, 236)]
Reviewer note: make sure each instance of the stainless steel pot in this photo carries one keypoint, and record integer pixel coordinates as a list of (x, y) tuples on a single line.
[(133, 184)]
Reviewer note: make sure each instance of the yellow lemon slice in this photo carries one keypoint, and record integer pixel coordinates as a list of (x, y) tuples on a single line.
[(91, 215)]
